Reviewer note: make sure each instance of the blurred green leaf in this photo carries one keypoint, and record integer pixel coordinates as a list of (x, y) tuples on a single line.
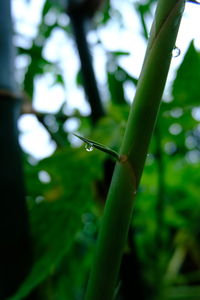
[(56, 220), (185, 88)]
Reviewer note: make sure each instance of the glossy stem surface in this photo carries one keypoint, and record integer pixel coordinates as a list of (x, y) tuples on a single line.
[(127, 174)]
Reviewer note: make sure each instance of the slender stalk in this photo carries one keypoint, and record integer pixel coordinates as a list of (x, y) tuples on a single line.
[(15, 257), (128, 171), (79, 22), (142, 20), (160, 203)]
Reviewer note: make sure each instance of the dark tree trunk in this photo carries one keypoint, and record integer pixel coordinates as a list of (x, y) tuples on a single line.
[(15, 257)]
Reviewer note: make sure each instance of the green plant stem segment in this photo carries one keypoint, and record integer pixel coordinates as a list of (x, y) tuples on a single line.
[(128, 171)]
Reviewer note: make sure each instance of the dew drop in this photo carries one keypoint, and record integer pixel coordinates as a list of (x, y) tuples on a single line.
[(176, 52), (89, 147)]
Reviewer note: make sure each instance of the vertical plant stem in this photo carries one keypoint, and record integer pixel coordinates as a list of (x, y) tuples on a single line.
[(15, 257), (159, 208), (128, 171), (161, 229), (160, 204)]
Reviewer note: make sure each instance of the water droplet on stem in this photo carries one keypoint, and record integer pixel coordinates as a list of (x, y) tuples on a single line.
[(176, 52), (89, 147)]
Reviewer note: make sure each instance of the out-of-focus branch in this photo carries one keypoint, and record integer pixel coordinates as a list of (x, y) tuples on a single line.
[(80, 14)]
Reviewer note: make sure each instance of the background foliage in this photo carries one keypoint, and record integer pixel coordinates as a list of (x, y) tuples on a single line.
[(66, 192)]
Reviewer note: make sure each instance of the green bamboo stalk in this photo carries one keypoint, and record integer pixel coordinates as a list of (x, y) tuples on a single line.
[(128, 170)]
